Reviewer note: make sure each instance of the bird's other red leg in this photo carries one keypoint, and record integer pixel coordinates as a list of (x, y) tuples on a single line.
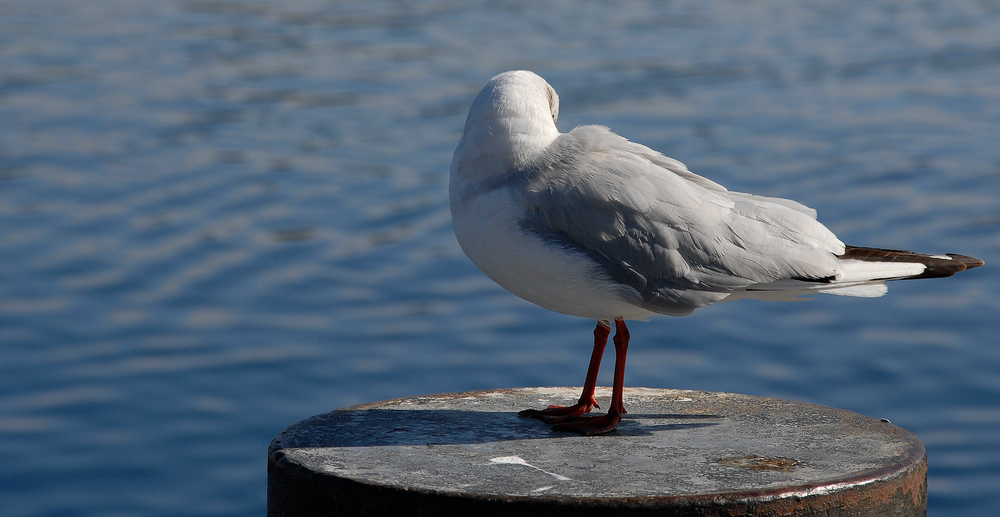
[(556, 414), (621, 351), (608, 422)]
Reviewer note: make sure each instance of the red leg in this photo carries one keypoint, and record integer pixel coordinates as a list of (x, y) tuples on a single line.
[(609, 422), (556, 414)]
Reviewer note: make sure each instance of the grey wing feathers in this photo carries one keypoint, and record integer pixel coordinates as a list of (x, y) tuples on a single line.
[(681, 241), (794, 205)]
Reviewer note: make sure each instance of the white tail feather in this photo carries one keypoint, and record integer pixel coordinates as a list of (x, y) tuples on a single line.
[(860, 278), (861, 271), (791, 290), (872, 290)]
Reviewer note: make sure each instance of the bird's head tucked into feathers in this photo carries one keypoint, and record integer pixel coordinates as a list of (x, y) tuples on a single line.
[(512, 120)]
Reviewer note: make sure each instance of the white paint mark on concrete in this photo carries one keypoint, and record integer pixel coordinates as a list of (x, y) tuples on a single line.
[(517, 460)]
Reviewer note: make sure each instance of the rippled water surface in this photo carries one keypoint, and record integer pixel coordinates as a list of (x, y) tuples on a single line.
[(218, 218)]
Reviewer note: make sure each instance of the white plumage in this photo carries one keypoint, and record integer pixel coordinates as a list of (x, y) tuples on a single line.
[(589, 224)]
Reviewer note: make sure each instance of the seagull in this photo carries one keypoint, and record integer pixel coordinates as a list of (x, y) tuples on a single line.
[(589, 224)]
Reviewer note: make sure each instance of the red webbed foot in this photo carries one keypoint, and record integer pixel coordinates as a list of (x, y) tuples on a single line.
[(557, 414)]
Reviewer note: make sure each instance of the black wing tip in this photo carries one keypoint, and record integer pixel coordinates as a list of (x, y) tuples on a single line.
[(970, 262), (937, 265)]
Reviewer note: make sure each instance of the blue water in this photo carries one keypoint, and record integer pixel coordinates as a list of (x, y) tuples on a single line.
[(218, 218)]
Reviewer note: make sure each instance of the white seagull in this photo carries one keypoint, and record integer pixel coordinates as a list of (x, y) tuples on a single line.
[(589, 224)]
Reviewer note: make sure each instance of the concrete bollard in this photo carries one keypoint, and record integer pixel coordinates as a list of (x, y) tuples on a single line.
[(677, 452)]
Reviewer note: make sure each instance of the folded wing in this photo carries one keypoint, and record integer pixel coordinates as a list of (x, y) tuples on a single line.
[(679, 240)]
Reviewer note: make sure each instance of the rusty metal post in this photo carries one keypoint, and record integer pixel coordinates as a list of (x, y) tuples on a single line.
[(677, 452)]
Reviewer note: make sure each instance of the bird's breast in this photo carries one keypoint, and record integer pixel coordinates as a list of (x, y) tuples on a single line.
[(541, 271)]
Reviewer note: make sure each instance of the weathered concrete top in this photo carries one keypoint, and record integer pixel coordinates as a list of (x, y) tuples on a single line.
[(673, 445)]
